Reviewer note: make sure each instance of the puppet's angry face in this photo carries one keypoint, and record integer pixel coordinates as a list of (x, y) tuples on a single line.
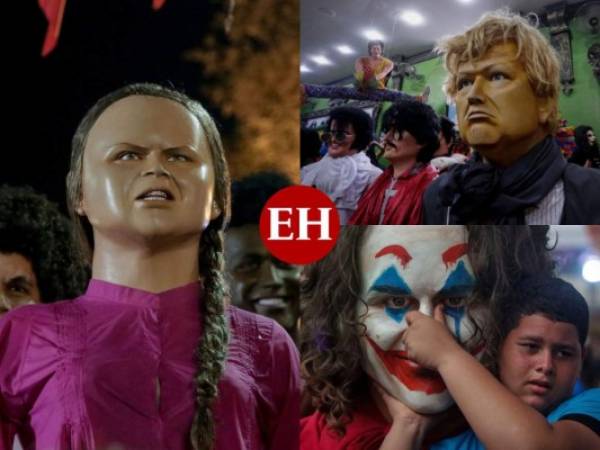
[(414, 268), (147, 171)]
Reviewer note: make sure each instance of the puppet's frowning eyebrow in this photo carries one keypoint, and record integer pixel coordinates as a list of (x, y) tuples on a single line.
[(452, 254), (396, 250)]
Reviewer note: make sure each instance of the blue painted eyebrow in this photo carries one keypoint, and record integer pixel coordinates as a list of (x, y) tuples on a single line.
[(390, 282), (459, 283)]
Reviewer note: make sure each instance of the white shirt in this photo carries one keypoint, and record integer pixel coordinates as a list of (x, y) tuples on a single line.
[(343, 179), (550, 209)]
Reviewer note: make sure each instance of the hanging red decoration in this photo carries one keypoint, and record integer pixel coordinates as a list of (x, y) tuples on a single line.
[(157, 4), (53, 10)]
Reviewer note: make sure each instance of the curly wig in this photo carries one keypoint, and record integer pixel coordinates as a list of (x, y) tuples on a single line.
[(33, 227), (360, 121), (420, 120)]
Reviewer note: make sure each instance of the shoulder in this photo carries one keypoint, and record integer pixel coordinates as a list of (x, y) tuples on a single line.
[(260, 331), (32, 348), (429, 172), (434, 187), (243, 321), (15, 330), (464, 441), (309, 169), (326, 168), (433, 212), (365, 431), (17, 324), (431, 196), (579, 183), (365, 164), (44, 321), (579, 176), (262, 349), (587, 403)]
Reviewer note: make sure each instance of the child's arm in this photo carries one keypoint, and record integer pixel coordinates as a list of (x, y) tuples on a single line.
[(498, 418)]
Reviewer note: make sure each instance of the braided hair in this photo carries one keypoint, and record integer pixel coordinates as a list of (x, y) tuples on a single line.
[(212, 348)]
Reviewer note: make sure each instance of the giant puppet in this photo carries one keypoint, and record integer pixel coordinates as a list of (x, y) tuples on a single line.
[(503, 75), (150, 356)]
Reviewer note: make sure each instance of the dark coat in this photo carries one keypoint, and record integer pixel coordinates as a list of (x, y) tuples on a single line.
[(582, 199)]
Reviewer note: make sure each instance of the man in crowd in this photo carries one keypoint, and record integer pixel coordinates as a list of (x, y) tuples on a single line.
[(395, 197), (259, 282)]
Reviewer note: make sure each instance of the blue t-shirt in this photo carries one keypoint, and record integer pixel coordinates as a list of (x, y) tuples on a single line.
[(586, 404)]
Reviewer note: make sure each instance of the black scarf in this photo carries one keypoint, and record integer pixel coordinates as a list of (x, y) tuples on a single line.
[(478, 192)]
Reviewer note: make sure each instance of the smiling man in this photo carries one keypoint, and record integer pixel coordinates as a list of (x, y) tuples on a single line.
[(504, 77), (259, 282), (346, 172)]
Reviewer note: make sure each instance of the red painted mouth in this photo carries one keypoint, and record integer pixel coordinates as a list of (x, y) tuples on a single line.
[(410, 374)]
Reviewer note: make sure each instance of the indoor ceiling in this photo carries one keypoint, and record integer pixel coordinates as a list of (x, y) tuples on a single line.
[(326, 24)]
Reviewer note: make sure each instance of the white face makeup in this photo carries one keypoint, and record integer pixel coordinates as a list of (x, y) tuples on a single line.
[(413, 268)]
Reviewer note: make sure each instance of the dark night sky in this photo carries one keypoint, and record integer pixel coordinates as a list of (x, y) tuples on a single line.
[(104, 44)]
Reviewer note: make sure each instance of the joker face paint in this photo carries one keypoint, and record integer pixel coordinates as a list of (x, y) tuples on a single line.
[(413, 268)]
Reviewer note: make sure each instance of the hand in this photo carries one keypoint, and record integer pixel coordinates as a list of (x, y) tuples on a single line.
[(428, 340), (408, 429), (402, 415), (398, 411)]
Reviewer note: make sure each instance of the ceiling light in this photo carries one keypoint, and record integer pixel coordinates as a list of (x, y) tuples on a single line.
[(344, 49), (373, 35), (305, 69), (321, 60), (411, 17), (591, 270)]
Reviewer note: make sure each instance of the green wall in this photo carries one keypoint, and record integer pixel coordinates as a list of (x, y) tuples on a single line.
[(434, 74), (582, 107)]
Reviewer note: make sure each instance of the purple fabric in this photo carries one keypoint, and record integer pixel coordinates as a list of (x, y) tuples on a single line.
[(116, 367)]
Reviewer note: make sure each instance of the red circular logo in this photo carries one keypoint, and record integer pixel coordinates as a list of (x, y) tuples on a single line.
[(299, 225)]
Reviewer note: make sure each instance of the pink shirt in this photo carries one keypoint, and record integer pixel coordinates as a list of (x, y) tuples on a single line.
[(116, 366)]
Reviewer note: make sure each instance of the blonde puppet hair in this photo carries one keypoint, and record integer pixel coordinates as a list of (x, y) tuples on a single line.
[(534, 52)]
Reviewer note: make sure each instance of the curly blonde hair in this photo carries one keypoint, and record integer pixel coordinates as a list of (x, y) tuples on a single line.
[(534, 52)]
